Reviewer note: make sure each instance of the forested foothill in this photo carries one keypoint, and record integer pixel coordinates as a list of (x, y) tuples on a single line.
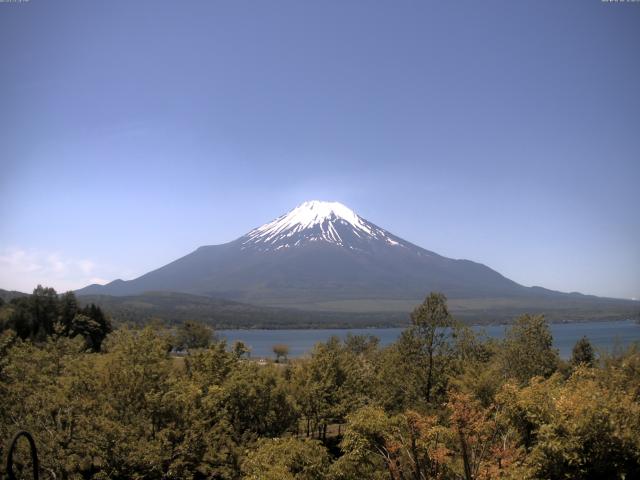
[(443, 402)]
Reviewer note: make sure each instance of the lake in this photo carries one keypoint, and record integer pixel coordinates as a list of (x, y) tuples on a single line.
[(603, 336)]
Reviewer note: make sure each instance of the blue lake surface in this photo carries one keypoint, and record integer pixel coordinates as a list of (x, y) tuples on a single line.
[(603, 336)]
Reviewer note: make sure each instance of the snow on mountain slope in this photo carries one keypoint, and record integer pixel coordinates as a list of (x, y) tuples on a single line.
[(316, 221)]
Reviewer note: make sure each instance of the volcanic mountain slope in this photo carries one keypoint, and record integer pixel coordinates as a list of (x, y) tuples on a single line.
[(323, 256)]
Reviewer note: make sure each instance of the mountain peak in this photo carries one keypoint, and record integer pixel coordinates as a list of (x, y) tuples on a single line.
[(314, 212), (317, 221)]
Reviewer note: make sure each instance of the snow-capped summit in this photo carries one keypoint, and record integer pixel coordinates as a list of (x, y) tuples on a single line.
[(314, 212), (318, 221)]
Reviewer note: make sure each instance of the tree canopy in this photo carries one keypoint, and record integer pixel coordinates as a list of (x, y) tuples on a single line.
[(45, 313), (440, 403)]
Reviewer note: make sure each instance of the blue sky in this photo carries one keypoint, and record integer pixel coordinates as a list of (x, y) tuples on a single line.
[(503, 132)]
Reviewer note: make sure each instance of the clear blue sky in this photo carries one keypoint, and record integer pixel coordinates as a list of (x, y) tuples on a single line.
[(132, 132)]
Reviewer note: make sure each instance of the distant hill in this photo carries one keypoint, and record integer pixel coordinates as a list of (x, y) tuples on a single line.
[(172, 307), (175, 307), (323, 257), (8, 295)]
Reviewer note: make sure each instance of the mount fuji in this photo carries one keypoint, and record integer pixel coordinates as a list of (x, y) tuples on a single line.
[(322, 256)]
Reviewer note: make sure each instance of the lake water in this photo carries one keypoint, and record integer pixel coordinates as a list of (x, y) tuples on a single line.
[(603, 336)]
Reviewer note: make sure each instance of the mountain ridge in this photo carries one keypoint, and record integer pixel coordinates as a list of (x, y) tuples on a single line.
[(321, 255)]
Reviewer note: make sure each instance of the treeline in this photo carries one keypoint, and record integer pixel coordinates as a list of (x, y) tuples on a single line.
[(176, 308), (45, 313), (440, 403)]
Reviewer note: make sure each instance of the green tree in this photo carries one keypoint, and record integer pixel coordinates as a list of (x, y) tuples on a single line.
[(240, 349), (406, 446), (43, 389), (582, 353), (361, 344), (432, 327), (581, 429), (44, 311), (365, 445), (192, 335), (34, 316), (68, 308), (281, 351), (399, 376), (478, 370), (486, 448), (210, 366), (128, 436), (528, 350), (256, 401), (287, 459), (87, 328), (21, 320), (330, 384)]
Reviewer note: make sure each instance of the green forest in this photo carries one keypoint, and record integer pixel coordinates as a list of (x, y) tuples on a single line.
[(441, 403)]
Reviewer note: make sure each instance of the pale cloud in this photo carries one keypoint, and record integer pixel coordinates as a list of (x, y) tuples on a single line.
[(86, 266), (23, 269)]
